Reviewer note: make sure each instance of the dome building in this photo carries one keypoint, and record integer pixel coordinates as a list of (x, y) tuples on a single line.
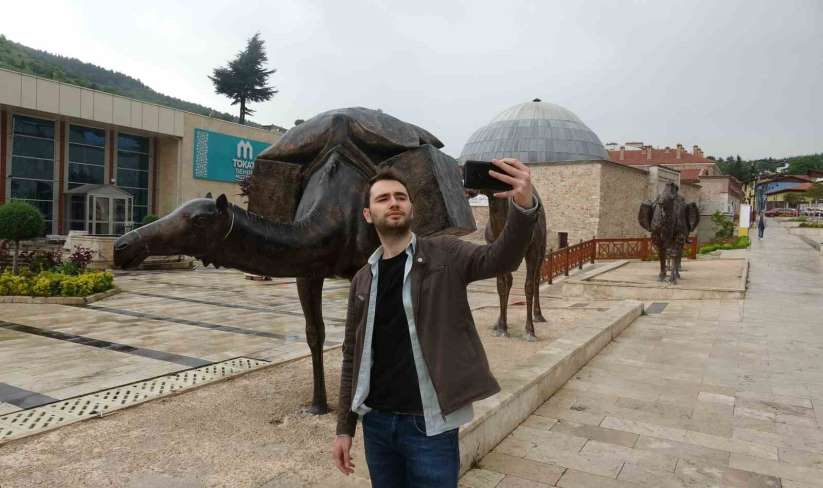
[(535, 132), (585, 194)]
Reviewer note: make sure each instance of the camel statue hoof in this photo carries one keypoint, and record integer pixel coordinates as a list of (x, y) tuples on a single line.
[(539, 318), (500, 333), (661, 279), (317, 410), (531, 338)]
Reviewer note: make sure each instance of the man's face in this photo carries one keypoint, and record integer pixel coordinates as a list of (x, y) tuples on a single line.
[(390, 209)]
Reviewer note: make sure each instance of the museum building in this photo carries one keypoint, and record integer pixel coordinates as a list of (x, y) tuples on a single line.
[(97, 162)]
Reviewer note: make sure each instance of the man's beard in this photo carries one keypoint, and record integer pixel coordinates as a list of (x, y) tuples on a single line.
[(384, 228)]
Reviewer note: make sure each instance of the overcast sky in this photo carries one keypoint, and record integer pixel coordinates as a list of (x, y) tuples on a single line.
[(735, 77)]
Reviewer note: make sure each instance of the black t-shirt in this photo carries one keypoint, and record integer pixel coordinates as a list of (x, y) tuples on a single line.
[(393, 386)]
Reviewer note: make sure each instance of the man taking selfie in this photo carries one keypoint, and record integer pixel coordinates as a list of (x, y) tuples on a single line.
[(413, 363)]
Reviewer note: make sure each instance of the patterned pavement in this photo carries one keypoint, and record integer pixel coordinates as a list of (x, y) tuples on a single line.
[(701, 394)]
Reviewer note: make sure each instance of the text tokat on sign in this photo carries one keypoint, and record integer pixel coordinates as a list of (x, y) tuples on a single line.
[(222, 157)]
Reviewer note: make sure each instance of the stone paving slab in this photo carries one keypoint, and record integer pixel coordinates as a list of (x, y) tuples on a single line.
[(704, 393), (716, 279)]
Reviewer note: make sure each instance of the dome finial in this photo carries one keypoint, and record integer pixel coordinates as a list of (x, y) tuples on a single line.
[(537, 100)]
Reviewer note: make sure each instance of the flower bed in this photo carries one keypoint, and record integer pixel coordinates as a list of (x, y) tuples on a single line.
[(741, 242), (45, 273), (55, 284)]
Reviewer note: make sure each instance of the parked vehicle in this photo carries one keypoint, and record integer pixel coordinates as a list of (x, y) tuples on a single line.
[(782, 212)]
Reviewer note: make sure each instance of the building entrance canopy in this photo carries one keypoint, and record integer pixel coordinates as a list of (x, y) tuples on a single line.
[(100, 209)]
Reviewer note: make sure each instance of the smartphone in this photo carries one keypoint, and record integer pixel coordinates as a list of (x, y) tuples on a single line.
[(476, 177)]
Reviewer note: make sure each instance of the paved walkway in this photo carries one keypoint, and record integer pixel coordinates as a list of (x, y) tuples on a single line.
[(703, 394), (164, 322)]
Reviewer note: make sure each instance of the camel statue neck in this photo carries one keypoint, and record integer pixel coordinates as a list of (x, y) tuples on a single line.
[(305, 247), (256, 245)]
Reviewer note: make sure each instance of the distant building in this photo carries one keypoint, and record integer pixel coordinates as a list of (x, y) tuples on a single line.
[(701, 180), (771, 192), (99, 162)]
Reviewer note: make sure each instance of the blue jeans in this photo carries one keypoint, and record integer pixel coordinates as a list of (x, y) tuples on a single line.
[(399, 453)]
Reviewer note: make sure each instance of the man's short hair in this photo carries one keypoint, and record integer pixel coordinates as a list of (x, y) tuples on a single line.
[(382, 175)]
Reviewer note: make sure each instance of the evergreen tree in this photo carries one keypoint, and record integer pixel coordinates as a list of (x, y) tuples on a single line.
[(244, 78)]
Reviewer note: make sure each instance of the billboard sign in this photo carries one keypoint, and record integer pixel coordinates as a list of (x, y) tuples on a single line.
[(221, 157)]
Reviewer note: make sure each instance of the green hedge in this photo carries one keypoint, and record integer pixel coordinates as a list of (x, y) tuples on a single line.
[(811, 225), (741, 242), (52, 284)]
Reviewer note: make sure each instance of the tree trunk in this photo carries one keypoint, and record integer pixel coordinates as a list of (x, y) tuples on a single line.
[(242, 111), (14, 257)]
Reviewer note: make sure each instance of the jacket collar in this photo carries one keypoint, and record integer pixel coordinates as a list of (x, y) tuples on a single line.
[(378, 253)]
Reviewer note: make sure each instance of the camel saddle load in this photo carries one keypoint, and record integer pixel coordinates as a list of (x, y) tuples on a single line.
[(367, 140)]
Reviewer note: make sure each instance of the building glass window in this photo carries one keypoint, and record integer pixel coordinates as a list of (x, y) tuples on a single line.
[(32, 165), (76, 212), (133, 171), (87, 156)]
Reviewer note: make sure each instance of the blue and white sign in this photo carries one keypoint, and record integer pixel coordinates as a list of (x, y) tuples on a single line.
[(221, 157)]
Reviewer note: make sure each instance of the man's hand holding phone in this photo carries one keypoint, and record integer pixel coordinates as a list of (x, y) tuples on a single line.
[(511, 177)]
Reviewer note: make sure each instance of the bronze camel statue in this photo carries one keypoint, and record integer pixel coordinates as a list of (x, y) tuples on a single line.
[(670, 220), (306, 197), (498, 209)]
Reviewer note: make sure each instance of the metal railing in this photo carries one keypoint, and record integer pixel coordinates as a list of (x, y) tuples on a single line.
[(559, 262)]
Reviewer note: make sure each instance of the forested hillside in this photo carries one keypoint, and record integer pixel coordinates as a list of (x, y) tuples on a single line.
[(747, 171), (21, 58)]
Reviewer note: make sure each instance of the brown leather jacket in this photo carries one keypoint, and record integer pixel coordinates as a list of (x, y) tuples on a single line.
[(451, 347)]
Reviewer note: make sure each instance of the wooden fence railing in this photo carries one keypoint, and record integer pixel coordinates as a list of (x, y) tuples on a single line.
[(559, 262)]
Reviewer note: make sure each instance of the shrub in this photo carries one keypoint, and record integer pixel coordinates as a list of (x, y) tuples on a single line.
[(19, 221), (811, 225), (14, 284), (42, 260), (81, 257), (723, 226), (50, 284), (67, 268), (741, 242)]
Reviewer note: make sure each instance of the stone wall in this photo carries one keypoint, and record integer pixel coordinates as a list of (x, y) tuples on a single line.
[(658, 177), (622, 190), (571, 195), (715, 196), (690, 192)]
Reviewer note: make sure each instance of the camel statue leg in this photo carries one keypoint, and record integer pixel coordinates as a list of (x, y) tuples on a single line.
[(532, 291), (538, 265), (504, 285), (538, 313), (310, 291), (676, 265), (661, 255)]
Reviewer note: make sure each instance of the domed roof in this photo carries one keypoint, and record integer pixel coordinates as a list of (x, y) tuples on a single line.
[(534, 132)]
